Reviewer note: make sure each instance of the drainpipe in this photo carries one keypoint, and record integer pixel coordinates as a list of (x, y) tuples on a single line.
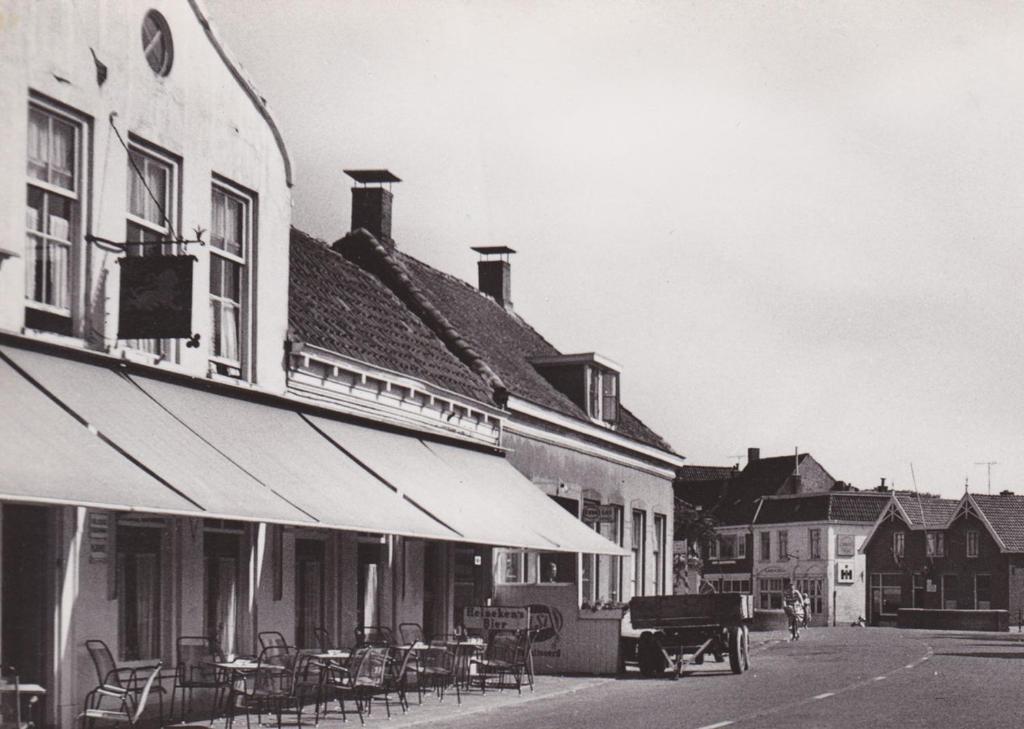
[(753, 546)]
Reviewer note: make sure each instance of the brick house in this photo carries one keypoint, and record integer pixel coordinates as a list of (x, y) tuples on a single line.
[(933, 553)]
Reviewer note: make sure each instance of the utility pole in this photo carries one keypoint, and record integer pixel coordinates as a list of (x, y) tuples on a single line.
[(988, 465)]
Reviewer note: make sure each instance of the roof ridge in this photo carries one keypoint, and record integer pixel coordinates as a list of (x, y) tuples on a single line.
[(362, 247)]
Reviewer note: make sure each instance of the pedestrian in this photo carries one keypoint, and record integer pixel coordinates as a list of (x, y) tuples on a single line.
[(793, 604)]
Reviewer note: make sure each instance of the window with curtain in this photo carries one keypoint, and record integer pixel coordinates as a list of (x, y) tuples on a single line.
[(591, 572), (610, 565), (51, 218), (972, 542), (151, 207), (935, 544), (222, 567), (309, 590), (229, 244), (138, 591), (660, 533), (639, 549)]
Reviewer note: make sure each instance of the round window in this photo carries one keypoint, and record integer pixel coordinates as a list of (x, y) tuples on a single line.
[(156, 43)]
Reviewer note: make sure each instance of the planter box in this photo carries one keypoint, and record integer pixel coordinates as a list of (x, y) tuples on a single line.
[(990, 620)]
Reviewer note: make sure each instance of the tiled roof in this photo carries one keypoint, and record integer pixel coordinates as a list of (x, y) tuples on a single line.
[(334, 304), (832, 506), (1006, 515), (705, 473), (927, 511), (856, 506), (506, 342)]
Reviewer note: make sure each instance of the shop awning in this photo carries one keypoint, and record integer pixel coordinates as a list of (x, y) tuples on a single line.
[(46, 456), (146, 432), (480, 496), (278, 447), (545, 515)]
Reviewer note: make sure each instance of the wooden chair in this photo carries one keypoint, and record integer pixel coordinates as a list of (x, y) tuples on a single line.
[(130, 705)]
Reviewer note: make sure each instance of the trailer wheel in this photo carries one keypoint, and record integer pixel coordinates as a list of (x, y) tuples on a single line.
[(649, 656), (746, 648), (736, 649)]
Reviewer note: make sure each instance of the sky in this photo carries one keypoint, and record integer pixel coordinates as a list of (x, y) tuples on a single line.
[(793, 224)]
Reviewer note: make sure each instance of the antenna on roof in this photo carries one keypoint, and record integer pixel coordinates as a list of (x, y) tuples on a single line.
[(989, 465), (916, 492), (965, 484)]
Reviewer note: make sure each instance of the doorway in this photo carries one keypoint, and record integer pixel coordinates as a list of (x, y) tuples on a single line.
[(473, 584), (309, 590), (27, 599)]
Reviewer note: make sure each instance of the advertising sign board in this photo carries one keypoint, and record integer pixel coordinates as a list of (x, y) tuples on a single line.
[(495, 617)]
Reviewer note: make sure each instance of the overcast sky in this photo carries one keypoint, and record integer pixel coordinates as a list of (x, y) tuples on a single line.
[(792, 224)]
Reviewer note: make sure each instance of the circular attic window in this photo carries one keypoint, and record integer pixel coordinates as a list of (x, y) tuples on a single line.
[(156, 43)]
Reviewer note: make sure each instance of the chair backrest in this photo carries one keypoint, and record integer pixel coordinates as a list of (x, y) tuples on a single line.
[(147, 688), (103, 660), (504, 646), (410, 633), (322, 638), (196, 653), (272, 639), (275, 670), (436, 658), (375, 635), (10, 701), (372, 670)]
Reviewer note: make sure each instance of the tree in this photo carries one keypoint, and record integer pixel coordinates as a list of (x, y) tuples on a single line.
[(698, 529)]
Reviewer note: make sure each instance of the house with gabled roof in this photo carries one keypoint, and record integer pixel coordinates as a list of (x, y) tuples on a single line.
[(962, 554)]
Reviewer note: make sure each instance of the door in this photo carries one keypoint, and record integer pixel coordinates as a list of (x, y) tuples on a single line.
[(27, 601), (950, 596), (472, 578), (309, 590), (434, 590)]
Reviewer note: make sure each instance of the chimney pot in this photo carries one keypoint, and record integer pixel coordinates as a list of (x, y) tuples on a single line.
[(371, 203), (494, 273), (753, 454)]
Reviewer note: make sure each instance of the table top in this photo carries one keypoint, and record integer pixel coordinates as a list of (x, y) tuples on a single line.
[(332, 655), (240, 665), (417, 646), (25, 688)]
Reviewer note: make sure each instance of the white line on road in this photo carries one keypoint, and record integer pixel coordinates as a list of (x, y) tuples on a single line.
[(823, 696), (719, 724)]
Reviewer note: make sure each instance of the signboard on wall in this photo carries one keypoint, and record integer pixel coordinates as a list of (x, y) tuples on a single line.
[(844, 573), (495, 617), (156, 297), (846, 545), (599, 513)]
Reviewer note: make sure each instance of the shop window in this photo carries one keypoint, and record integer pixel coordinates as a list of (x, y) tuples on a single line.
[(783, 546), (771, 592), (983, 592), (898, 544), (52, 219), (713, 548), (639, 549), (886, 594), (766, 546), (972, 543), (812, 588), (736, 586), (152, 205), (230, 242), (139, 591), (590, 572), (935, 544), (814, 540)]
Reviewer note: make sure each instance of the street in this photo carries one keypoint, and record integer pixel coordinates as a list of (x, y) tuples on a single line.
[(838, 677)]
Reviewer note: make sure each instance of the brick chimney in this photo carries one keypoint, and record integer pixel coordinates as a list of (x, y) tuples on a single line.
[(371, 203), (753, 454), (494, 272)]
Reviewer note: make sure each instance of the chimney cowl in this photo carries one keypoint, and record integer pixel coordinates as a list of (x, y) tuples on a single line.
[(494, 273)]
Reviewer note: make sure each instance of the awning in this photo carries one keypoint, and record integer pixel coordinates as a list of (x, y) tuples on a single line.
[(547, 517), (482, 497), (279, 448), (146, 432), (46, 456)]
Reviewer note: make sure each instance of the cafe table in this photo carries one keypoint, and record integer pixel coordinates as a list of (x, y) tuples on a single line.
[(32, 690)]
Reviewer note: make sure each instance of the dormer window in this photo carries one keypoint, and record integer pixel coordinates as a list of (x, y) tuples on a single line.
[(589, 380)]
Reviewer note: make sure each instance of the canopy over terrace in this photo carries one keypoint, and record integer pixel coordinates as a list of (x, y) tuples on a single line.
[(92, 431)]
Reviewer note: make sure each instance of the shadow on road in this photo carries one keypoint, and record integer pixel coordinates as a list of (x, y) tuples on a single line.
[(991, 637), (985, 654)]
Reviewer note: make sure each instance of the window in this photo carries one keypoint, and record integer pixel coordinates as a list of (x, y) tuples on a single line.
[(898, 542), (222, 567), (229, 245), (560, 566), (814, 539), (152, 181), (603, 394), (309, 589), (983, 592), (812, 588), (660, 534), (920, 589), (972, 542), (771, 591), (886, 594), (590, 569), (950, 592), (613, 532), (766, 546), (783, 546), (513, 566), (935, 544), (138, 591), (639, 551), (740, 586), (156, 43), (52, 218), (713, 548)]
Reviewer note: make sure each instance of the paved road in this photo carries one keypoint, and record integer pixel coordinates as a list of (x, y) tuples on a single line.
[(854, 678)]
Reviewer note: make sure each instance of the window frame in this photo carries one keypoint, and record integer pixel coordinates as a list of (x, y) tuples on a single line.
[(124, 524), (977, 602), (247, 200), (814, 543), (783, 539), (766, 546), (77, 196), (639, 548), (935, 543), (899, 544), (973, 543), (597, 396), (660, 548)]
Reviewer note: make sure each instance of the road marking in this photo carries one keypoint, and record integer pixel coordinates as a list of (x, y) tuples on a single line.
[(909, 665), (878, 678), (719, 724), (823, 696)]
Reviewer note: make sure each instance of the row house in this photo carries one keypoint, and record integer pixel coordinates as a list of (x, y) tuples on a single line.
[(946, 554), (564, 430), (162, 474)]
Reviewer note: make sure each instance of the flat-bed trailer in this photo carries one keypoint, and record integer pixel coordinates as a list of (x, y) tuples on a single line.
[(682, 629)]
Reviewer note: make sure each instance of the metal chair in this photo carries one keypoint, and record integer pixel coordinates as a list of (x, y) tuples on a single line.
[(364, 680), (10, 702), (339, 680), (116, 682), (323, 639), (130, 706), (272, 639), (410, 633), (271, 688), (435, 667), (373, 635), (504, 657), (194, 670)]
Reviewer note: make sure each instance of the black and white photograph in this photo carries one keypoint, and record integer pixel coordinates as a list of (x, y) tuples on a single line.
[(284, 444)]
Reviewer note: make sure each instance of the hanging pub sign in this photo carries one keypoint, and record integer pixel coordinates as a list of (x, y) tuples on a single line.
[(156, 297)]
